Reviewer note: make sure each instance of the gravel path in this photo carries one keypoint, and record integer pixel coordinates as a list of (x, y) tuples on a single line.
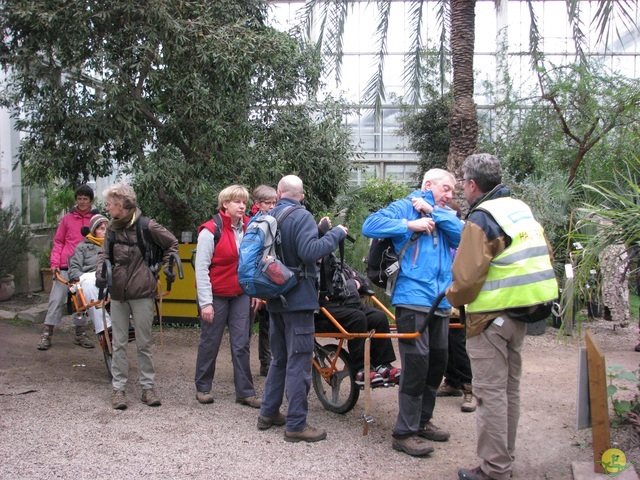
[(57, 421)]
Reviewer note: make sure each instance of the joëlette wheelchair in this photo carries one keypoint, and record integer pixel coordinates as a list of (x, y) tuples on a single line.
[(81, 306), (333, 375)]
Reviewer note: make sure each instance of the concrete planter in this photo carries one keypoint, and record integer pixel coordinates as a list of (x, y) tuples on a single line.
[(47, 280), (7, 287)]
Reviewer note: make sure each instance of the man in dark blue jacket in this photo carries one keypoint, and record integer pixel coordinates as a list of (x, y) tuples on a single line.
[(291, 326)]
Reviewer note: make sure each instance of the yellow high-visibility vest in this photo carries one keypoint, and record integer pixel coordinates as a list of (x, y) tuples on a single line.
[(522, 275)]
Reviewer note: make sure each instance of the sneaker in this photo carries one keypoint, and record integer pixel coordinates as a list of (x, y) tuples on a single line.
[(204, 397), (473, 474), (309, 434), (448, 391), (468, 401), (83, 341), (413, 445), (118, 400), (433, 433), (150, 398), (265, 423), (253, 402), (374, 377), (389, 373), (45, 341)]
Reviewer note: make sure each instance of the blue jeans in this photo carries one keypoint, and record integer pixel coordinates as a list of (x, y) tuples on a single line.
[(291, 342), (423, 365)]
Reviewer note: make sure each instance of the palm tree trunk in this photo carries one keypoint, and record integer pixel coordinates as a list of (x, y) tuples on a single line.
[(463, 125)]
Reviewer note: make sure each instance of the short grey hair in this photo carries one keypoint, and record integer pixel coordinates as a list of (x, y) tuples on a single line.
[(484, 169), (435, 175), (123, 194)]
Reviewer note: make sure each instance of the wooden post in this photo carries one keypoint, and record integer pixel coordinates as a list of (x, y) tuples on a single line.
[(600, 431)]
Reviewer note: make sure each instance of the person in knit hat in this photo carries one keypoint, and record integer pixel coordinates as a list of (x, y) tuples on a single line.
[(68, 236), (82, 268)]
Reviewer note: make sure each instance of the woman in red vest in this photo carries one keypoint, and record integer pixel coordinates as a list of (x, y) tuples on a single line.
[(221, 301)]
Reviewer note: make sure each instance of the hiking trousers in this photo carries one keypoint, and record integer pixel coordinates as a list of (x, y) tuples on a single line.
[(496, 363), (232, 312), (424, 361), (141, 313)]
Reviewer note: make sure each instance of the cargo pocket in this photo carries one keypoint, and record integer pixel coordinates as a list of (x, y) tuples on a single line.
[(303, 339), (482, 356)]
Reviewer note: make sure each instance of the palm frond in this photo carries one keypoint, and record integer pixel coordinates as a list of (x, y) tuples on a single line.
[(609, 11), (413, 59), (579, 38), (374, 92), (443, 17)]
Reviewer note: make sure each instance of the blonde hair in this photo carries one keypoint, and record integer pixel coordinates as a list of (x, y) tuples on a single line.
[(122, 194), (232, 192)]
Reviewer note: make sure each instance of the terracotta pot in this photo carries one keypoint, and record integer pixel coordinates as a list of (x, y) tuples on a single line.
[(47, 280), (7, 287)]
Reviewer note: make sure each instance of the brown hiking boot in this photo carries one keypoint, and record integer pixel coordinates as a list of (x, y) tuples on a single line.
[(309, 434), (468, 401), (204, 397), (433, 433), (150, 398), (472, 474), (413, 445), (448, 391), (118, 400), (81, 337), (265, 423), (45, 341), (83, 340), (253, 402)]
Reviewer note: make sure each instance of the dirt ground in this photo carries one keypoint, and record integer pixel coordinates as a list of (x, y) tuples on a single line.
[(57, 421)]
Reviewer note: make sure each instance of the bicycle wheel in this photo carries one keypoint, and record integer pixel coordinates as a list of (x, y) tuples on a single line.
[(339, 393)]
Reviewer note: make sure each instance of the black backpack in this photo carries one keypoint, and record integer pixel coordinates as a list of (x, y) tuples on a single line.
[(152, 253), (383, 261), (217, 220)]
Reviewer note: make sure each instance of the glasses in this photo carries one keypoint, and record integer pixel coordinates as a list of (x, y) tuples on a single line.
[(268, 202)]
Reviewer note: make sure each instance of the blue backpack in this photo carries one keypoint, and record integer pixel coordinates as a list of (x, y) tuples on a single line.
[(261, 272)]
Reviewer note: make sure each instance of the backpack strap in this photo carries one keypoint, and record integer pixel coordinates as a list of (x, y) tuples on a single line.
[(280, 216), (143, 237), (217, 221)]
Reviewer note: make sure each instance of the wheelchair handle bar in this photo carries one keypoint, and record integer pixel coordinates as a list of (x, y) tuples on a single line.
[(107, 274), (174, 258)]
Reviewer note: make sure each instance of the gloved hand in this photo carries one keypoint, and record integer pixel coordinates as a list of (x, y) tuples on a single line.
[(101, 283), (324, 225), (169, 274)]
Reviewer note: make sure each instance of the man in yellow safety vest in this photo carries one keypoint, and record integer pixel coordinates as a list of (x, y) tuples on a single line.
[(503, 274)]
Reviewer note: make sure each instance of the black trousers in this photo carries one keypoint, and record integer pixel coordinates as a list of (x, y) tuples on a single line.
[(360, 319), (458, 365)]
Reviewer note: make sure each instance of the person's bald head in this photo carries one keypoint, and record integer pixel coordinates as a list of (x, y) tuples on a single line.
[(290, 186)]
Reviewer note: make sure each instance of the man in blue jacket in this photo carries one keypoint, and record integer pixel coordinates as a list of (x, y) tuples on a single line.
[(291, 325), (424, 273)]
